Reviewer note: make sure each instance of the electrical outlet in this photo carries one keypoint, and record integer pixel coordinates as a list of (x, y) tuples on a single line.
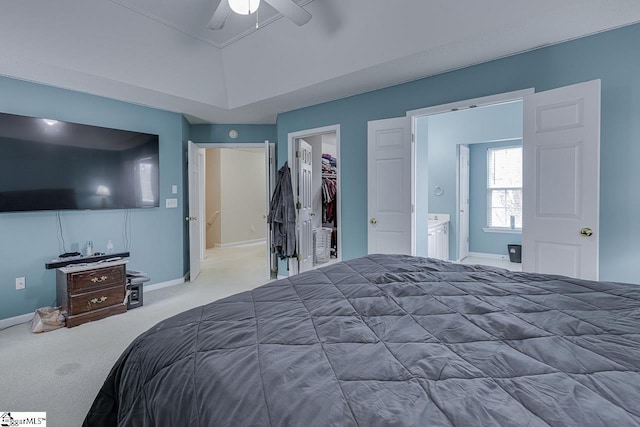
[(20, 283), (171, 203)]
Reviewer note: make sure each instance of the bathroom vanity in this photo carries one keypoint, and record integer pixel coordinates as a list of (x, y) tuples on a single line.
[(438, 241)]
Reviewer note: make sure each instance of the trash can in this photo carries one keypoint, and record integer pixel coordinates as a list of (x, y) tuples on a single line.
[(135, 281), (515, 253)]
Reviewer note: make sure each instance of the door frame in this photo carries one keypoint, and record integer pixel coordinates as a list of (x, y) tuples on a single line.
[(291, 157), (269, 149), (414, 115), (461, 203), (195, 218)]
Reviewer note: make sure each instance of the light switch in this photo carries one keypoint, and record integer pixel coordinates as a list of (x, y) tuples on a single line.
[(171, 203), (174, 189)]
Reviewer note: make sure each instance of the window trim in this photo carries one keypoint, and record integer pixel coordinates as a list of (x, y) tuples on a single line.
[(502, 230)]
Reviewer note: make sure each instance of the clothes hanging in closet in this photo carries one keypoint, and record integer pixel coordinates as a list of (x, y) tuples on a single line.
[(329, 190), (282, 216)]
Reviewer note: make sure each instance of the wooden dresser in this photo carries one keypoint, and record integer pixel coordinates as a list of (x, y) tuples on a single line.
[(91, 292)]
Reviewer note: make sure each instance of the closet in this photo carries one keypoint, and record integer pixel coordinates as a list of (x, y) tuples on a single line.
[(325, 196), (329, 201)]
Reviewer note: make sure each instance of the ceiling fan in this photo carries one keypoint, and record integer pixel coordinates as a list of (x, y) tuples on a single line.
[(288, 8)]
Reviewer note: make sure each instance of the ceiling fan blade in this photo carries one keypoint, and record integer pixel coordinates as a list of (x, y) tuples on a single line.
[(291, 10), (220, 15)]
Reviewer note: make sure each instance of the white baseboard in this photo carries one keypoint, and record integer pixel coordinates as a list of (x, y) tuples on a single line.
[(23, 318), (244, 243), (12, 321), (490, 256), (161, 285)]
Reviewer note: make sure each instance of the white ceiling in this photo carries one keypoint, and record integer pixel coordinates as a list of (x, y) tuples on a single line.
[(192, 16), (160, 53)]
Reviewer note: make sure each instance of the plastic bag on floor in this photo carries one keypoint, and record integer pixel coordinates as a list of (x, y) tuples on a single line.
[(47, 319)]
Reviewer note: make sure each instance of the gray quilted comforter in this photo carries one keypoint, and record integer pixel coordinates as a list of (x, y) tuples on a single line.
[(389, 341)]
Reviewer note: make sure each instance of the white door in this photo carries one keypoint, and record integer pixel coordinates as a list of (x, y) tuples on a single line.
[(304, 206), (389, 186), (201, 205), (194, 211), (561, 176), (270, 164), (463, 203)]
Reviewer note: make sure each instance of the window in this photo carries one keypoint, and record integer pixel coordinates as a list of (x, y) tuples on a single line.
[(504, 187)]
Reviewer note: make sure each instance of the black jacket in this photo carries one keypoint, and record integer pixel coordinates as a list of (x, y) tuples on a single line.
[(282, 216)]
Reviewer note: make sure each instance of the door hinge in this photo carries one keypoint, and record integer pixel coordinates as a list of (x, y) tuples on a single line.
[(298, 205), (413, 209), (413, 137), (297, 154), (299, 257)]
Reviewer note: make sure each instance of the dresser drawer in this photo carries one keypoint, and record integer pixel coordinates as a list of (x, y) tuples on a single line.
[(89, 316), (101, 277), (88, 301)]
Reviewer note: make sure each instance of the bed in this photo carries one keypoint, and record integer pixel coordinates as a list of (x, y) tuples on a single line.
[(389, 340)]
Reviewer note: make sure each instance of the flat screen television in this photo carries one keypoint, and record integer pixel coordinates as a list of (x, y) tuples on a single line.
[(54, 165)]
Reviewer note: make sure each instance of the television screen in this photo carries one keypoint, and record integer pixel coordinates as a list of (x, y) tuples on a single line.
[(53, 165)]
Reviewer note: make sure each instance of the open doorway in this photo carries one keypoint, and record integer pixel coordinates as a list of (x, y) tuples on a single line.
[(233, 190), (475, 182), (234, 197), (560, 140), (315, 153), (468, 194), (235, 200)]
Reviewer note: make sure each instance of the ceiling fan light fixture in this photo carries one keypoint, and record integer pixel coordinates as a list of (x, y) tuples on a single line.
[(244, 7)]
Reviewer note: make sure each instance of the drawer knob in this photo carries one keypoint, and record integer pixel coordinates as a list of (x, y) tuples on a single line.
[(99, 279), (99, 300)]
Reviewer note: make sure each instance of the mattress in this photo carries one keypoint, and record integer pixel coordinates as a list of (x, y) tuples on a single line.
[(389, 340)]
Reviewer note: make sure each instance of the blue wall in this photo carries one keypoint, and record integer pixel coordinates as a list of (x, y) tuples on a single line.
[(246, 133), (158, 240), (480, 241), (611, 56), (29, 240), (468, 127)]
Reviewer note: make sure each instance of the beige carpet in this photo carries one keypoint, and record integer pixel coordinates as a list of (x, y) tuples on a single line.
[(60, 372)]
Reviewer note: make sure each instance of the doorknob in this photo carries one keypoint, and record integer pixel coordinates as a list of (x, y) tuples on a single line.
[(191, 218), (373, 221), (586, 232), (312, 214)]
